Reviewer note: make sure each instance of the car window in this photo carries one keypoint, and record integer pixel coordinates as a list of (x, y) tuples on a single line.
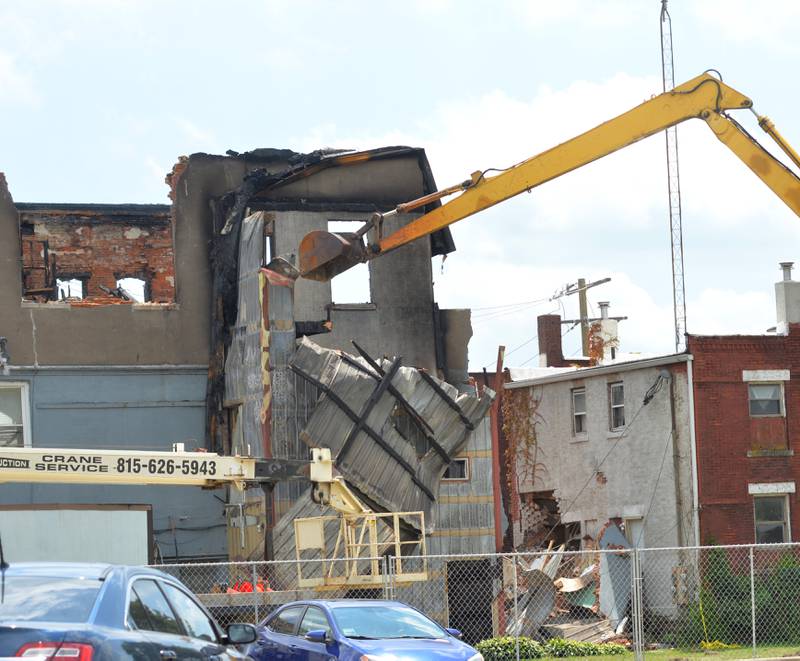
[(160, 616), (48, 599), (137, 615), (286, 620), (194, 619), (385, 621), (313, 620)]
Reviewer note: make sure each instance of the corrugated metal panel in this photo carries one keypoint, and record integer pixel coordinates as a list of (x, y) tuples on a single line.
[(367, 466)]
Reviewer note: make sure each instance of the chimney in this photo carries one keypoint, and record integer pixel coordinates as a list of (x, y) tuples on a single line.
[(787, 299), (550, 352), (608, 332)]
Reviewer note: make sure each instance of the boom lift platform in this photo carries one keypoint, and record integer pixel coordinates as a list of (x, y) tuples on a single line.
[(361, 537)]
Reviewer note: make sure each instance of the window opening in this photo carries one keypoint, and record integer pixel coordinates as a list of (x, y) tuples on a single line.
[(458, 469), (135, 288), (617, 406), (634, 531), (765, 399), (579, 410), (13, 406), (409, 429), (352, 286), (771, 519), (70, 288)]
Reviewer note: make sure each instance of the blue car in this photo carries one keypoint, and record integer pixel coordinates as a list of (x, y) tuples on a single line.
[(94, 612), (356, 630)]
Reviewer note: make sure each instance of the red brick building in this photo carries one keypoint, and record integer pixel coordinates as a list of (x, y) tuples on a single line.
[(747, 426)]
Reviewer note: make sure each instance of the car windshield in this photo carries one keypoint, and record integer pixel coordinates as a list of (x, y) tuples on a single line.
[(48, 599), (380, 621)]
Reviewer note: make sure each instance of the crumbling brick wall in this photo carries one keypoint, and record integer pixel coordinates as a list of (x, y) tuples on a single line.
[(98, 244)]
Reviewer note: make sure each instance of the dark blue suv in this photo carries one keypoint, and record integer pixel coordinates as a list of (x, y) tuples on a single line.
[(93, 612)]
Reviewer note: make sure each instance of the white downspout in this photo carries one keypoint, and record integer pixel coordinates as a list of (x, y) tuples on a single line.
[(693, 442)]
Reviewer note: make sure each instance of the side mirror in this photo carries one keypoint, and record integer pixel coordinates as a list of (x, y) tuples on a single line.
[(317, 636), (455, 633), (240, 634)]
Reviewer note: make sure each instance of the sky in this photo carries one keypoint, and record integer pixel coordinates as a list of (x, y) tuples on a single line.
[(98, 98)]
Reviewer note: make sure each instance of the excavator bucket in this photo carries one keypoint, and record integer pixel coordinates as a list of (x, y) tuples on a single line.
[(324, 255)]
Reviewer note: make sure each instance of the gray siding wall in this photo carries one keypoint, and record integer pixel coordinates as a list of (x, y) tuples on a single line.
[(126, 408)]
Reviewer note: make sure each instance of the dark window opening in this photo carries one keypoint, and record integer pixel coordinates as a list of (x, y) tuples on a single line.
[(457, 470), (771, 519), (765, 399), (410, 430)]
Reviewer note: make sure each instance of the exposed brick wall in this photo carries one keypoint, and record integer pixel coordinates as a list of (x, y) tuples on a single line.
[(726, 432), (101, 245)]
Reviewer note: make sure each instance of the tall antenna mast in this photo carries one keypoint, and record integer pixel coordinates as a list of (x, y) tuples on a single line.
[(673, 187)]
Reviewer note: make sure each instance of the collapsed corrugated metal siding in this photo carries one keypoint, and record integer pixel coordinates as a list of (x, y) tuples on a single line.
[(376, 453)]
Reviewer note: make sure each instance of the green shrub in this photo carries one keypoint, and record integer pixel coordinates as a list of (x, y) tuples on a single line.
[(505, 648)]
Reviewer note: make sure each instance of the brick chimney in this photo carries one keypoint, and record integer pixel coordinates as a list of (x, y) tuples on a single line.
[(551, 353)]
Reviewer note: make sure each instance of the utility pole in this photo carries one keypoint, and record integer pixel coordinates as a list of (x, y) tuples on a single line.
[(580, 289)]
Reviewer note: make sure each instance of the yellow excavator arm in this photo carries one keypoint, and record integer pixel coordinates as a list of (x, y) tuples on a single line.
[(323, 254)]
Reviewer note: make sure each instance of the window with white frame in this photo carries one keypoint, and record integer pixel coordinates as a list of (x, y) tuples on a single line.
[(458, 469), (616, 403), (766, 399), (13, 414), (771, 515), (578, 411)]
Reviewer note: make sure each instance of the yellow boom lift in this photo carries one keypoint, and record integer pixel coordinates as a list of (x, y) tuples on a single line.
[(323, 255)]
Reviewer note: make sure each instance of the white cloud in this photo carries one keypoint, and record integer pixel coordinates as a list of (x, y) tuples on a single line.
[(199, 138), (771, 24), (540, 14), (15, 86)]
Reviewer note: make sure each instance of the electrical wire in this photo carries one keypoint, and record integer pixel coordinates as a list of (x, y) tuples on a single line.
[(655, 488), (597, 468), (508, 305)]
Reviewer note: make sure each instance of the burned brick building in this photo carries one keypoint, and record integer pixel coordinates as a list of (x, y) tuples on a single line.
[(188, 338)]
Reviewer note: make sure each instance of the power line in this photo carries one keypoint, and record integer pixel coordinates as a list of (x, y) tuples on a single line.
[(602, 461)]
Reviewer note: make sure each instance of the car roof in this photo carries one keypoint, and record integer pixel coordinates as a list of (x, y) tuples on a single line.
[(352, 602), (90, 570)]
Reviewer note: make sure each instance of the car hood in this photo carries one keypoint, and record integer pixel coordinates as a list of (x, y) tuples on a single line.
[(415, 649)]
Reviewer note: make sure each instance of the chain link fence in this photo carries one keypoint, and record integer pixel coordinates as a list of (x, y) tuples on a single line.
[(745, 599)]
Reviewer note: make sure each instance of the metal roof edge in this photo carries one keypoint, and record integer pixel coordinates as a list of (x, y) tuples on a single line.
[(584, 372)]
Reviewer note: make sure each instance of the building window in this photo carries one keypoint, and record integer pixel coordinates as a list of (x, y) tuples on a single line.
[(616, 399), (14, 426), (579, 411), (765, 399), (135, 289), (771, 519), (457, 470), (70, 288), (352, 286)]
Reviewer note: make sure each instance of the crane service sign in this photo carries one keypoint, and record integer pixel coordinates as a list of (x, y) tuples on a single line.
[(123, 467)]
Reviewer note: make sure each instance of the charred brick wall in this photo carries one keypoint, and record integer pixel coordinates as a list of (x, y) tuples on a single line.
[(733, 448), (98, 244)]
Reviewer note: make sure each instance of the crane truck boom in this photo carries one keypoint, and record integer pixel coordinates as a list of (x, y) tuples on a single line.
[(323, 255)]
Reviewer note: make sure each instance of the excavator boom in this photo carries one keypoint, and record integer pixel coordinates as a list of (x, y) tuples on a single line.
[(323, 254)]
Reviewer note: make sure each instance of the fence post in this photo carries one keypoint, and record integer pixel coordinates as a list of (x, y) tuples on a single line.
[(636, 606), (516, 614), (255, 591), (753, 601)]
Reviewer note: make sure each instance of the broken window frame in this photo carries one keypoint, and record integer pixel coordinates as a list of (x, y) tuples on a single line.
[(785, 523), (24, 425), (83, 278), (147, 295), (779, 399), (618, 408), (355, 274), (579, 415), (458, 461)]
